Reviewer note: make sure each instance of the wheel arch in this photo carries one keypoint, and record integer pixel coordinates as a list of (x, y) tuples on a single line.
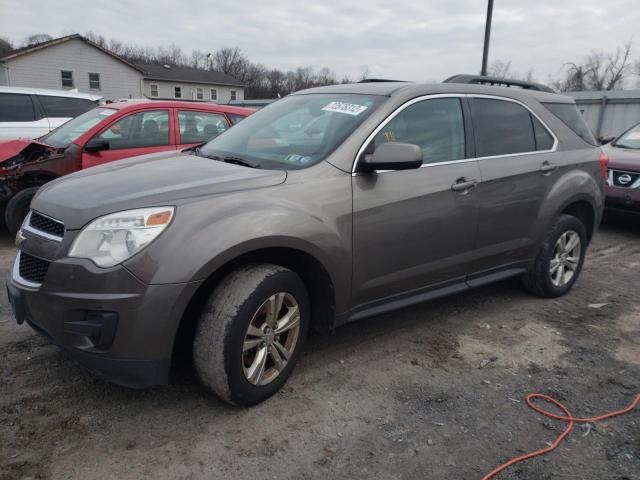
[(313, 272)]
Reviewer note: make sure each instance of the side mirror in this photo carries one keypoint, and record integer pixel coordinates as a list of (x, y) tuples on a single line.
[(96, 144), (393, 156), (606, 139)]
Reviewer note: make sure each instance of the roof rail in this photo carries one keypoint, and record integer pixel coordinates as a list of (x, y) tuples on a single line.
[(498, 82), (376, 80)]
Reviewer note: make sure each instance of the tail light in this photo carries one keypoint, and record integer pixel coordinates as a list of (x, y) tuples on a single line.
[(604, 162)]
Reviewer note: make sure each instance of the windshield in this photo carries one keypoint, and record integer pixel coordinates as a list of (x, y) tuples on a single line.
[(66, 133), (629, 139), (295, 132)]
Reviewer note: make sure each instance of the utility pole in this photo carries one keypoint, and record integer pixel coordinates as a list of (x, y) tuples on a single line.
[(487, 37)]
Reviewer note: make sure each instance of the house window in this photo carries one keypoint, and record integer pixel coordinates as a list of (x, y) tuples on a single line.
[(67, 78), (94, 81), (214, 94), (177, 92), (153, 90), (233, 94), (199, 93)]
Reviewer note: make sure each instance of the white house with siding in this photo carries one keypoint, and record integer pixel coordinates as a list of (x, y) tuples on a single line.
[(74, 62)]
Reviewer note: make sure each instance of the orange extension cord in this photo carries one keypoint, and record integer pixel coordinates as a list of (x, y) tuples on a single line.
[(567, 417)]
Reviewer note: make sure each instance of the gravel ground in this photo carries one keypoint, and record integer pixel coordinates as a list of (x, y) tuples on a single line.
[(400, 396)]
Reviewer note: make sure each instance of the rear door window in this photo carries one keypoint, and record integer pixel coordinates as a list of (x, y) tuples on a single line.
[(436, 126), (65, 107), (199, 127), (572, 118), (144, 129), (501, 127), (16, 108)]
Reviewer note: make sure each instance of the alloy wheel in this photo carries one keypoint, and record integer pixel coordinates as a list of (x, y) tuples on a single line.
[(565, 259), (271, 338)]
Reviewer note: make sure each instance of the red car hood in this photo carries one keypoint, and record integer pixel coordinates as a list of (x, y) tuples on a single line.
[(11, 148), (623, 158)]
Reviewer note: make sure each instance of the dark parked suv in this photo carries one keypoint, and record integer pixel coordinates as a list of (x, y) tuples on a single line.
[(328, 206)]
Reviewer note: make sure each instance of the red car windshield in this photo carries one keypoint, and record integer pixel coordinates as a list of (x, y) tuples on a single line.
[(66, 133), (629, 139)]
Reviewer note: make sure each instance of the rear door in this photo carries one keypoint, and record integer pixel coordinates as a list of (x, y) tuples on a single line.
[(138, 133), (518, 166), (416, 228), (19, 117), (197, 127)]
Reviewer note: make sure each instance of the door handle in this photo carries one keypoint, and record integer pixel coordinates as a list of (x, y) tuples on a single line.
[(463, 185), (548, 167)]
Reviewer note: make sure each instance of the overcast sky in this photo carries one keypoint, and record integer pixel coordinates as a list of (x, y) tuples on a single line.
[(419, 40)]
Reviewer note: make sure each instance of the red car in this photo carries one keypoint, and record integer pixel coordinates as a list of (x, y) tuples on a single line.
[(104, 134), (623, 180)]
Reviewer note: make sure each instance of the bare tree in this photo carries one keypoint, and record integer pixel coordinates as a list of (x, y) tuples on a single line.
[(365, 72), (598, 71), (230, 60), (499, 69), (37, 38), (6, 47)]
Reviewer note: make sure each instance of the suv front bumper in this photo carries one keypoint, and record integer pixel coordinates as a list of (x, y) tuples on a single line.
[(109, 321)]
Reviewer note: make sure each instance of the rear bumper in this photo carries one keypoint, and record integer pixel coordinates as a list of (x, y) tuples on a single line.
[(111, 323)]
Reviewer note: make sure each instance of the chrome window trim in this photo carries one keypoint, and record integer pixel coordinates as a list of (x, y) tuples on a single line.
[(413, 101), (28, 228), (15, 274)]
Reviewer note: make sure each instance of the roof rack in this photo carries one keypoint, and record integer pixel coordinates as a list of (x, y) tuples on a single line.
[(376, 80), (498, 82)]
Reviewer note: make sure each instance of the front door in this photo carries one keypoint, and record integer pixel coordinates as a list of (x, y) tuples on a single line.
[(416, 228), (138, 133)]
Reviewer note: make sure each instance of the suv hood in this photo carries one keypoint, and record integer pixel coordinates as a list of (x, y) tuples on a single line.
[(149, 180), (623, 158)]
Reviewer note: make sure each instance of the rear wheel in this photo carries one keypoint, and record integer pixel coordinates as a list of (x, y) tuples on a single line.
[(560, 259), (18, 208), (251, 333)]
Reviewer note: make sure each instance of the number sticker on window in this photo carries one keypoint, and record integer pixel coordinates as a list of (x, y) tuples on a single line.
[(342, 107)]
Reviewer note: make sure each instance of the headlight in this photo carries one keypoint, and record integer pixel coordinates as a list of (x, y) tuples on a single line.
[(114, 238)]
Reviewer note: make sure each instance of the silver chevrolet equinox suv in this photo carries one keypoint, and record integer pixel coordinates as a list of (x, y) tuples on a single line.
[(328, 206)]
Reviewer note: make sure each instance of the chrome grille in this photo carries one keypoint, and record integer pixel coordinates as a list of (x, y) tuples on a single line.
[(44, 224), (32, 268)]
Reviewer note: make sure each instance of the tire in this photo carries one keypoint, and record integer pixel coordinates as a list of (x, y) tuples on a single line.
[(18, 208), (540, 280), (245, 297)]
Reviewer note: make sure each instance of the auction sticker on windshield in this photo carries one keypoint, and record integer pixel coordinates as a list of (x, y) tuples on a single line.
[(343, 107)]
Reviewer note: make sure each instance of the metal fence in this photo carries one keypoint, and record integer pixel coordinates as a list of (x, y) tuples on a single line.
[(609, 112)]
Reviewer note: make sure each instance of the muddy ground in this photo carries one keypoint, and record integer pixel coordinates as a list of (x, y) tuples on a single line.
[(400, 396)]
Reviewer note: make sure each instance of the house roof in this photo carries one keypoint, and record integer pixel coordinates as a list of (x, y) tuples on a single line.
[(56, 41), (148, 71), (190, 75)]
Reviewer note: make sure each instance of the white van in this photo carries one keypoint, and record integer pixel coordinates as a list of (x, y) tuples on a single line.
[(32, 112)]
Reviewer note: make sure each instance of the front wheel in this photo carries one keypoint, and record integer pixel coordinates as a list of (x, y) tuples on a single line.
[(251, 333), (559, 260)]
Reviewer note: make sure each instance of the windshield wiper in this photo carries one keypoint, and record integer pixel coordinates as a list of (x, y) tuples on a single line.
[(239, 161), (227, 159), (622, 145)]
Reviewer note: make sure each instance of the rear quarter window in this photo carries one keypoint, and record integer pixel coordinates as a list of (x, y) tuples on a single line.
[(569, 115), (64, 106), (16, 108)]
